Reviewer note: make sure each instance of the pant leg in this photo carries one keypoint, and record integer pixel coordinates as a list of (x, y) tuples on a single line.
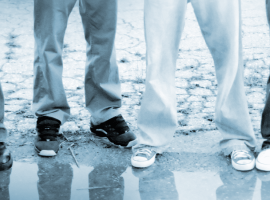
[(3, 130), (102, 86), (221, 27), (265, 123), (157, 120), (50, 21)]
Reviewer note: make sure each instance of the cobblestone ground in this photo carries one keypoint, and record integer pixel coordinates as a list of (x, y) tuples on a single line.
[(195, 75)]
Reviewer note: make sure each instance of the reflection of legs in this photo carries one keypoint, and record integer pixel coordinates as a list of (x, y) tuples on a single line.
[(102, 86), (157, 120), (156, 183), (54, 181), (106, 182), (221, 27), (50, 21), (265, 191), (4, 184), (236, 185)]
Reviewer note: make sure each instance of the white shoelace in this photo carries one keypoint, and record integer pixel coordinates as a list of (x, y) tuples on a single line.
[(241, 153), (144, 151)]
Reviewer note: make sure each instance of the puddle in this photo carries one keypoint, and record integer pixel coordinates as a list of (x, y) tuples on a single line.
[(49, 181)]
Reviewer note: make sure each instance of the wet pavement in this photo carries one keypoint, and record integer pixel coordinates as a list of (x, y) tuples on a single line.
[(54, 180)]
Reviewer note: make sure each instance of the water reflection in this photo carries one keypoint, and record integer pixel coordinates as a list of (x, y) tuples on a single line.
[(156, 183), (4, 184), (265, 186), (105, 182), (236, 185), (53, 180)]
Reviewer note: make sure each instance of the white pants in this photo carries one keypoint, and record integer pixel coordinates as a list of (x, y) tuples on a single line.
[(220, 24)]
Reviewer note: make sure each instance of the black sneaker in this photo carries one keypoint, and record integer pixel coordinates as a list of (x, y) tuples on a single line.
[(6, 160), (46, 143), (115, 129)]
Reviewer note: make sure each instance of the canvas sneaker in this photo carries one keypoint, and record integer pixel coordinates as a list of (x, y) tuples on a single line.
[(243, 160), (6, 160), (263, 160), (47, 143), (143, 157), (115, 129)]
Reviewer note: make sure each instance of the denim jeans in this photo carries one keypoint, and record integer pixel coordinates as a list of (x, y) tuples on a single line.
[(220, 25), (265, 124), (102, 86)]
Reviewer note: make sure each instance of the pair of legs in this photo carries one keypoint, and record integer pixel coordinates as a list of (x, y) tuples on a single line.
[(102, 86), (220, 24)]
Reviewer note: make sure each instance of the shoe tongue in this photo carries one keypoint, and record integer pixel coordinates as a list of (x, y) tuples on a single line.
[(49, 122)]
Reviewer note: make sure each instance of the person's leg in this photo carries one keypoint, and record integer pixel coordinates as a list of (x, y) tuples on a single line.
[(263, 161), (220, 24), (102, 85), (50, 22), (49, 100), (265, 123), (157, 120), (6, 160)]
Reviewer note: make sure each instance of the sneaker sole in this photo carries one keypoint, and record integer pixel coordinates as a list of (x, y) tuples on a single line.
[(46, 153), (143, 164), (247, 167), (262, 167)]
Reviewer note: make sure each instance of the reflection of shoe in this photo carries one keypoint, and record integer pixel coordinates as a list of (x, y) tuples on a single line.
[(115, 129), (6, 160), (143, 157), (243, 160), (263, 160), (46, 143), (143, 172)]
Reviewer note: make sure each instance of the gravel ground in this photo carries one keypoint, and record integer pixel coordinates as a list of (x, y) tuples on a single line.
[(196, 139)]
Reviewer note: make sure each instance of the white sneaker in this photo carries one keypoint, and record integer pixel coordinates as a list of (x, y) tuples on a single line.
[(143, 157), (243, 160), (263, 160)]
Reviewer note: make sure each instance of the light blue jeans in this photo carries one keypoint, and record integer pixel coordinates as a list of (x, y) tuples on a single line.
[(220, 24), (102, 86)]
